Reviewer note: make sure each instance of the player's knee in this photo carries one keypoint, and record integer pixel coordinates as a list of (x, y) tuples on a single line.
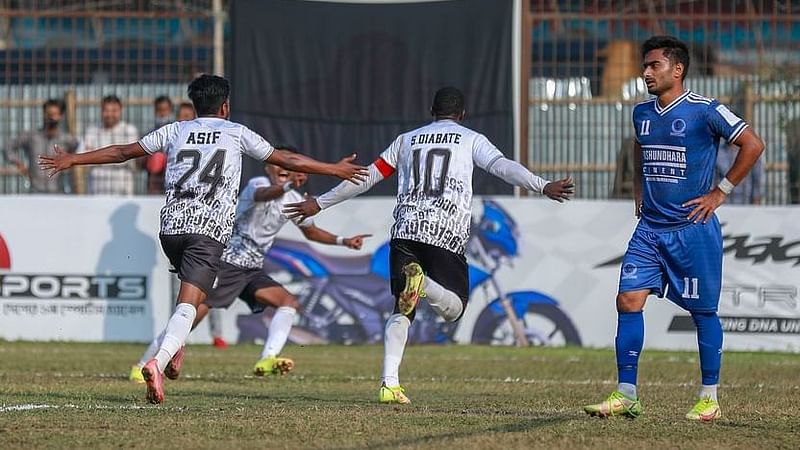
[(630, 301), (289, 301)]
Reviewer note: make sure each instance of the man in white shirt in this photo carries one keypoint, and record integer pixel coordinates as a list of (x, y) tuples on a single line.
[(434, 167), (204, 166), (259, 218), (118, 179)]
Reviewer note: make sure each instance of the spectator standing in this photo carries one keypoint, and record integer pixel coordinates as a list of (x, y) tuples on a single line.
[(25, 150), (117, 179)]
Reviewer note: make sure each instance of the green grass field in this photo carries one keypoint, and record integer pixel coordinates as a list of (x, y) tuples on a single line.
[(78, 396)]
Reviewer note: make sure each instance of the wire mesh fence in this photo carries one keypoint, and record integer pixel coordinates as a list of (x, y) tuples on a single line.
[(79, 52), (583, 81)]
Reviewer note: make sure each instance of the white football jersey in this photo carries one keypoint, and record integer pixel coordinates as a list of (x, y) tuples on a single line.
[(257, 224), (204, 165), (434, 167)]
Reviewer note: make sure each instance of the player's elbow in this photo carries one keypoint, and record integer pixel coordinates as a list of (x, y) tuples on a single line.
[(287, 160), (755, 148), (126, 152), (760, 147)]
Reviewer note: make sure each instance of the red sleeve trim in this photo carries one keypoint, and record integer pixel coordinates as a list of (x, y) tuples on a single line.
[(383, 167)]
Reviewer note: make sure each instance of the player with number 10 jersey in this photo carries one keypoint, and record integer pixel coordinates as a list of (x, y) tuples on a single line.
[(434, 167)]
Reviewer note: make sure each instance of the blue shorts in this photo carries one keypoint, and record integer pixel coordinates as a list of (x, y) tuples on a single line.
[(684, 265)]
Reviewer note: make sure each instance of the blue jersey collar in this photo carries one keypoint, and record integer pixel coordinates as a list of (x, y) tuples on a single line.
[(661, 111)]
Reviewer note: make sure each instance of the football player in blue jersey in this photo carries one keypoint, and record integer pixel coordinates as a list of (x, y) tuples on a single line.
[(676, 249)]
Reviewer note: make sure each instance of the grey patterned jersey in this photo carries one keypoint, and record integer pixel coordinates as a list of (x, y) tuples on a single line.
[(434, 167), (257, 224), (204, 165)]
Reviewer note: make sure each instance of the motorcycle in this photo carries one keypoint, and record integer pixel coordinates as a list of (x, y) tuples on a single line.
[(347, 299)]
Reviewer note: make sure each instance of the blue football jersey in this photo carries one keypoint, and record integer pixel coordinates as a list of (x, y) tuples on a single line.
[(679, 151)]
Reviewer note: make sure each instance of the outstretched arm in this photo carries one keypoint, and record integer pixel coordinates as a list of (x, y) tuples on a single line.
[(343, 169), (316, 234), (515, 173), (376, 173), (61, 160), (269, 193)]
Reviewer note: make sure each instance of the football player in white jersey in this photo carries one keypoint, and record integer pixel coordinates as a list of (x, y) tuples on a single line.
[(259, 218), (434, 167), (204, 162)]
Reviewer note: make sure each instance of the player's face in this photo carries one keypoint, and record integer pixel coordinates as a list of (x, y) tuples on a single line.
[(277, 175), (660, 75), (112, 114)]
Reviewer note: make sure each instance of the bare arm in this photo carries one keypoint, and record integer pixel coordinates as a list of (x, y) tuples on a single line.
[(107, 155), (343, 169), (751, 147), (316, 234), (268, 193)]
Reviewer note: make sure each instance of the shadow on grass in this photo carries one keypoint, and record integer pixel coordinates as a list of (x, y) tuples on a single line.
[(528, 424), (63, 398)]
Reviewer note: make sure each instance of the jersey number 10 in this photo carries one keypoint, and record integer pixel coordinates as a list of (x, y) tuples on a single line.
[(433, 154)]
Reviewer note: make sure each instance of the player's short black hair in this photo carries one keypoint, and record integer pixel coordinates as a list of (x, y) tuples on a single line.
[(111, 99), (448, 101), (162, 99), (674, 49), (208, 93), (55, 102)]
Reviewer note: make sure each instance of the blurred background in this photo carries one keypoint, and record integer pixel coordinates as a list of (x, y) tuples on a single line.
[(580, 62), (551, 83)]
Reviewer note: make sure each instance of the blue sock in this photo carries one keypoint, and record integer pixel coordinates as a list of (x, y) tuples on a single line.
[(709, 342), (629, 342)]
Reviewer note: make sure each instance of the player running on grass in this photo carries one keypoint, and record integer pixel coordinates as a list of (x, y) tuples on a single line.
[(676, 249), (203, 171), (259, 218), (432, 218)]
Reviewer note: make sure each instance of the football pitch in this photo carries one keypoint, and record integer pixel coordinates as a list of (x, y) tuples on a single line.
[(64, 395)]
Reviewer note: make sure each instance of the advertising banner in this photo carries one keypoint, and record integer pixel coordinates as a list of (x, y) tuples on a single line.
[(82, 269), (91, 269)]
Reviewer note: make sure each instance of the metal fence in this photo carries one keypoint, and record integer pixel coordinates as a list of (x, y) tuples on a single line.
[(585, 64), (583, 85), (80, 51)]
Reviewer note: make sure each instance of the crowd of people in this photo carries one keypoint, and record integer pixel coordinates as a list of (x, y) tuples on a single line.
[(22, 153)]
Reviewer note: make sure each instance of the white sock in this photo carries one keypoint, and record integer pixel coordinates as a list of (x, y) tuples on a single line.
[(394, 343), (175, 334), (446, 303), (278, 331), (709, 391), (215, 322), (152, 349), (628, 390)]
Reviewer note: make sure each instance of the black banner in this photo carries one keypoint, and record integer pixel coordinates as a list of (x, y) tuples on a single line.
[(338, 78)]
